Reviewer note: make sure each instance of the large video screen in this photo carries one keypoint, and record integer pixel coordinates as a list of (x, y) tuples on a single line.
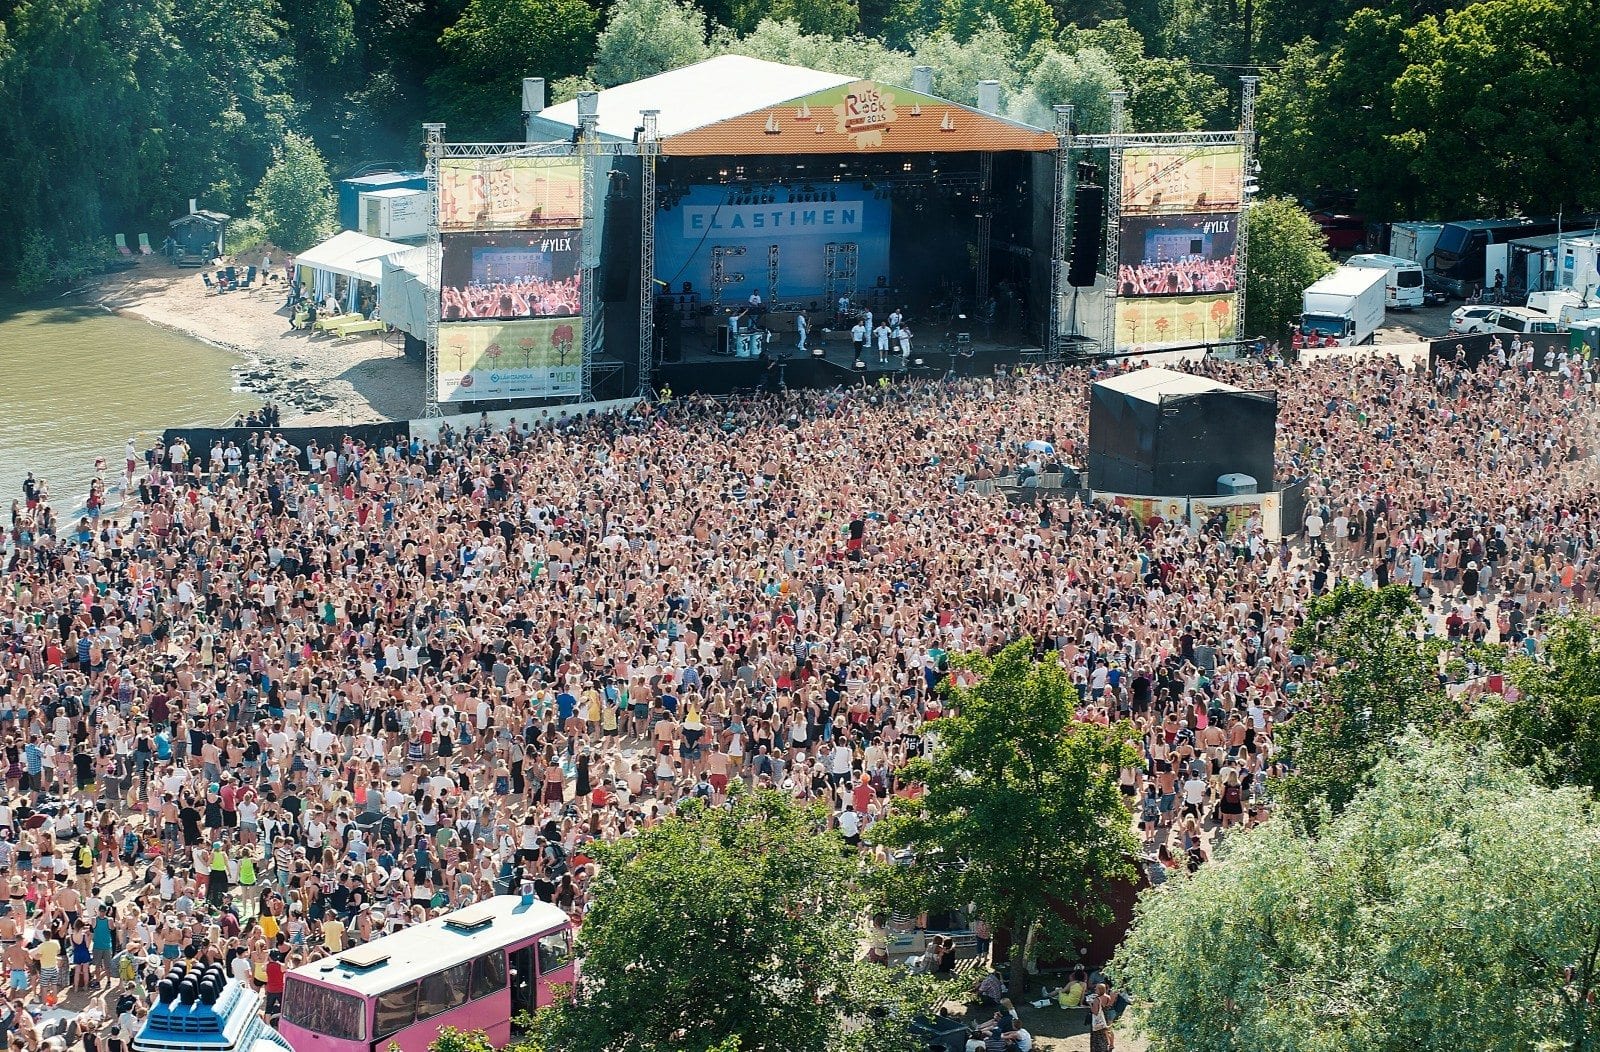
[(1174, 320), (709, 217), (509, 193), (1177, 255), (538, 358), (513, 274), (1174, 180)]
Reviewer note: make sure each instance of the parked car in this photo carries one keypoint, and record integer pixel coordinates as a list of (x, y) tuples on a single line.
[(1464, 320), (1490, 318)]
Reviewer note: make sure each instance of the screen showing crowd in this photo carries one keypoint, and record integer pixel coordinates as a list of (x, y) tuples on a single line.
[(512, 275), (1180, 255)]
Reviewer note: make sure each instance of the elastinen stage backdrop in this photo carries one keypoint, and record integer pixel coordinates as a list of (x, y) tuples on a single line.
[(709, 217), (511, 247)]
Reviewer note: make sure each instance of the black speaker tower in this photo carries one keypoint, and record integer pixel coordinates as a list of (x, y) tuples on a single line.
[(1086, 229)]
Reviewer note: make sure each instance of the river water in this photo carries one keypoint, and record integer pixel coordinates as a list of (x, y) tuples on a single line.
[(76, 381)]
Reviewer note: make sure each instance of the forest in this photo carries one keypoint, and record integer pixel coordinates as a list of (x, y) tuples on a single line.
[(114, 113)]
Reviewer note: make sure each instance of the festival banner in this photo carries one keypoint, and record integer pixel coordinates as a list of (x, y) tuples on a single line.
[(511, 274), (509, 193), (859, 117), (537, 358), (1175, 180), (1152, 322)]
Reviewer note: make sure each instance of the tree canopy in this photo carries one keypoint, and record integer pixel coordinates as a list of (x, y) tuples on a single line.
[(1020, 812), (1287, 253), (294, 201), (1454, 903), (735, 926)]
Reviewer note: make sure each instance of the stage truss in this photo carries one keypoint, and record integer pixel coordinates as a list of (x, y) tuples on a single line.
[(591, 150), (649, 148), (1115, 142)]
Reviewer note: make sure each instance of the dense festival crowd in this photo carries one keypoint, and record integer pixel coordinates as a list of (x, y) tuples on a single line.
[(281, 710)]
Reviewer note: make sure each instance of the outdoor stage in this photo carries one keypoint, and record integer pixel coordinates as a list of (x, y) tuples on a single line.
[(718, 374), (736, 180)]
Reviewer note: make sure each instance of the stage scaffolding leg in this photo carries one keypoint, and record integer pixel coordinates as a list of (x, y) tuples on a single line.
[(1247, 141), (830, 267), (588, 118), (1113, 217), (1061, 208), (846, 274), (985, 230), (772, 275), (647, 250), (433, 147)]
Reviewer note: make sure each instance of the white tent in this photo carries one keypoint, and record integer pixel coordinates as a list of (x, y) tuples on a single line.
[(355, 257), (404, 291)]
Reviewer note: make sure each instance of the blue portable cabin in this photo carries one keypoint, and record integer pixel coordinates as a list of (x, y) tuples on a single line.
[(199, 1009), (350, 191)]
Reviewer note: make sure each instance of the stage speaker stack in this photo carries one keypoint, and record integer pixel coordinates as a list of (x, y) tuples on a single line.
[(619, 245), (1086, 224)]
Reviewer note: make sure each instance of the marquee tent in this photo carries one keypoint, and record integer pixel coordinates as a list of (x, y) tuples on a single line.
[(354, 257), (404, 291)]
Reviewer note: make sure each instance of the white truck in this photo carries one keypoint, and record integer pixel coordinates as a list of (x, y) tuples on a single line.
[(1414, 241), (1403, 290), (1346, 306)]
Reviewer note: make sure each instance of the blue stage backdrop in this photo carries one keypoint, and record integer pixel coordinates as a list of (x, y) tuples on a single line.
[(707, 216)]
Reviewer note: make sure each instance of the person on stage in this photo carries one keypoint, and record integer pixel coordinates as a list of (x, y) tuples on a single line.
[(858, 337), (881, 333), (803, 328)]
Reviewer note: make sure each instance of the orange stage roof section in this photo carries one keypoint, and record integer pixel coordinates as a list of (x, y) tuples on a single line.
[(859, 117)]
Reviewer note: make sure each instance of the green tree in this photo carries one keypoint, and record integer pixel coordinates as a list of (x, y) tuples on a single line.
[(991, 53), (1163, 94), (294, 200), (1027, 22), (1083, 79), (1553, 723), (646, 37), (1454, 904), (1287, 253), (787, 42), (1473, 77), (1327, 121), (493, 45), (1020, 813), (1373, 677), (729, 927)]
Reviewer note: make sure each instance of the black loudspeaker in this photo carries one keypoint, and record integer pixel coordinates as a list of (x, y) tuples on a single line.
[(1091, 206), (619, 248)]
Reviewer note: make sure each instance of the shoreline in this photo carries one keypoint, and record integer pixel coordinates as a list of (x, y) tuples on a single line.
[(314, 379)]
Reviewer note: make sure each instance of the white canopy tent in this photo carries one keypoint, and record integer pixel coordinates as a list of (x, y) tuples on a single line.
[(404, 291), (355, 257)]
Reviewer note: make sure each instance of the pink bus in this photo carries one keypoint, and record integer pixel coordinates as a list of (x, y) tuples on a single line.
[(473, 969)]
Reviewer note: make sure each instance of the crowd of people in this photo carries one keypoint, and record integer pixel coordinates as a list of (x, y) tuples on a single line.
[(294, 699)]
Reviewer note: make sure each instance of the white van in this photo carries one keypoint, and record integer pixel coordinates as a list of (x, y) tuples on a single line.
[(1403, 290)]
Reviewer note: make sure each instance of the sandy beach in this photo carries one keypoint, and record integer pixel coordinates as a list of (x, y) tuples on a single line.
[(315, 379)]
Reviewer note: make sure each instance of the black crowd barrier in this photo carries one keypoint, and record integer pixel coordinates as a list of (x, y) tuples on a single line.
[(200, 439), (1476, 346)]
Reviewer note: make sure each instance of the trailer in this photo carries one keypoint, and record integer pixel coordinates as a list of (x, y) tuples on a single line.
[(1346, 306)]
